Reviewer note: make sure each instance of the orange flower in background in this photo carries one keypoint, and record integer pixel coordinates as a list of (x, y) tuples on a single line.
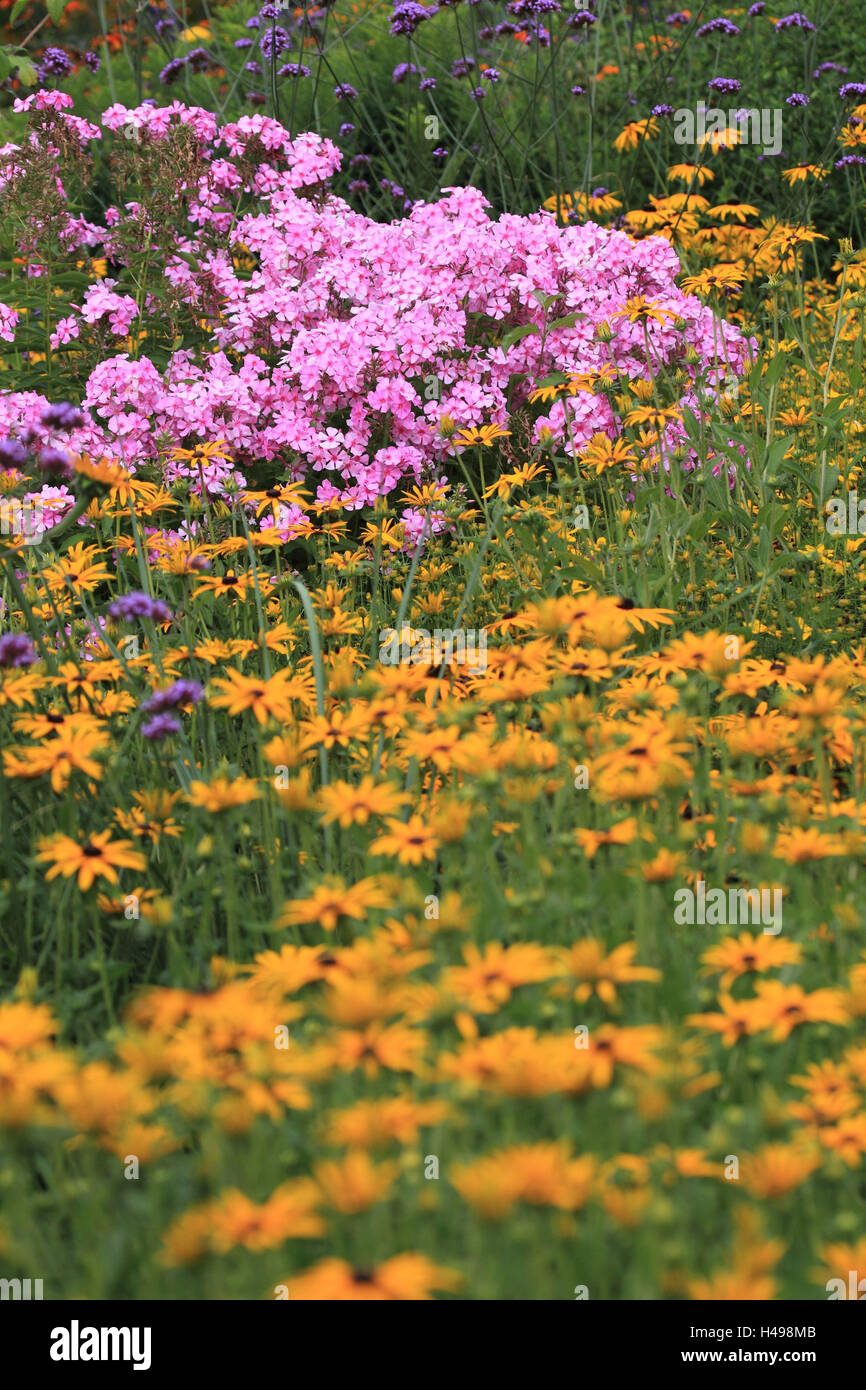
[(602, 453), (752, 1258), (234, 1220), (739, 1018), (487, 979), (641, 310), (490, 1185), (786, 1006), (518, 1062), (838, 1259), (222, 793), (269, 698), (622, 833), (624, 1190), (354, 1183), (797, 846), (777, 1169), (599, 972), (847, 1137), (354, 805), (667, 864), (98, 857), (485, 436), (720, 279), (332, 901), (736, 956), (403, 1278), (334, 730), (630, 1047), (70, 750), (77, 570), (378, 1046), (634, 134), (377, 1123), (541, 1174), (410, 843), (801, 172), (24, 1025)]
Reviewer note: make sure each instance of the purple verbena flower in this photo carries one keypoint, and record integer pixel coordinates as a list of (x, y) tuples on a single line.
[(55, 462), (273, 42), (12, 453), (55, 63), (160, 727), (182, 692), (62, 415), (795, 21), (408, 15), (139, 605), (717, 26), (171, 72), (533, 7), (199, 60), (16, 649)]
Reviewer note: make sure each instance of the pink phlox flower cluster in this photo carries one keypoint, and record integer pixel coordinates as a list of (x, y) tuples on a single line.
[(8, 320), (349, 349), (100, 301)]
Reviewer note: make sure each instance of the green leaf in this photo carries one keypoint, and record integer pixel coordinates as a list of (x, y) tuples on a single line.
[(523, 331), (592, 571), (568, 322), (55, 9), (698, 525), (776, 370), (27, 72)]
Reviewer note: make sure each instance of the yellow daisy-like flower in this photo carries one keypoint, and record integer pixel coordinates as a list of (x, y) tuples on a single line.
[(98, 857), (221, 793), (409, 843)]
